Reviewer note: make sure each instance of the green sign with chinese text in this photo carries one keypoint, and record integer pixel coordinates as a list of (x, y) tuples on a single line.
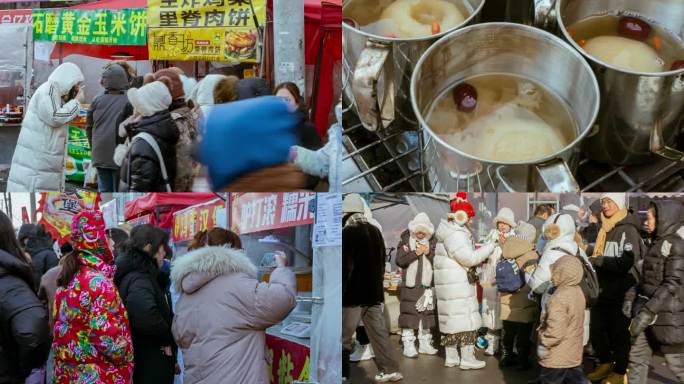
[(98, 26)]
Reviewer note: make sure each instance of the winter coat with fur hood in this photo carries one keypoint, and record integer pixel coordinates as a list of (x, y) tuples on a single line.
[(38, 160), (455, 253), (562, 320), (516, 306), (104, 111), (24, 330), (141, 170), (223, 312), (559, 231), (663, 277), (408, 296)]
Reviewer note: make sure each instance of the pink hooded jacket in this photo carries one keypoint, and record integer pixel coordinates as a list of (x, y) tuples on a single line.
[(223, 312)]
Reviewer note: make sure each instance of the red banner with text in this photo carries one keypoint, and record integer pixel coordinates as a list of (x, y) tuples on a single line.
[(255, 212), (197, 218), (287, 361)]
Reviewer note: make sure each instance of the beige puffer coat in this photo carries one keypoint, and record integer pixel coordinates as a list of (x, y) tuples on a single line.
[(562, 319), (223, 312)]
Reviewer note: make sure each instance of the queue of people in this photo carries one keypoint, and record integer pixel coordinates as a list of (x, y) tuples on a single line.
[(554, 298), (105, 313), (153, 133)]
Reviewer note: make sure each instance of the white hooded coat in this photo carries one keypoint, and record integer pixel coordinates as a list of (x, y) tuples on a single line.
[(456, 298), (38, 161)]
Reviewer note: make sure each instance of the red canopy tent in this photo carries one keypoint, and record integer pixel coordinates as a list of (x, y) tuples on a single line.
[(138, 52), (162, 206)]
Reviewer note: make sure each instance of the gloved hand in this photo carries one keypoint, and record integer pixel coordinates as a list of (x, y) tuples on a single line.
[(627, 308), (248, 135), (640, 322), (596, 261)]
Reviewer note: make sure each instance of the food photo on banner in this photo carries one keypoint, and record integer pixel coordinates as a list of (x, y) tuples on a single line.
[(130, 84), (235, 276)]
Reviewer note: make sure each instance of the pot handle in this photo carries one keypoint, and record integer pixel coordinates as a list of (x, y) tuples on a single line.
[(557, 177), (545, 14), (658, 146), (374, 113)]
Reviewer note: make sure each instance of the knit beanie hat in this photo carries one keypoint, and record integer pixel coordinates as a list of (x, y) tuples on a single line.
[(150, 98), (353, 203), (421, 223), (619, 199), (505, 215), (525, 231), (175, 86)]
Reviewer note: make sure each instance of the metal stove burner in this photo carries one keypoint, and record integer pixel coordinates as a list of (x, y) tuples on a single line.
[(390, 161)]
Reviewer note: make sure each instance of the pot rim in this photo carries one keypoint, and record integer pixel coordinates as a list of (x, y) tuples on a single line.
[(384, 39), (595, 60), (583, 133)]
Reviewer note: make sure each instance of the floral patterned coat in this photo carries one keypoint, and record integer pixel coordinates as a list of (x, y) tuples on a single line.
[(92, 339)]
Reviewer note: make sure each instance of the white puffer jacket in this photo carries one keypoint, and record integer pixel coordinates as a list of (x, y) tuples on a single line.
[(38, 161), (456, 298)]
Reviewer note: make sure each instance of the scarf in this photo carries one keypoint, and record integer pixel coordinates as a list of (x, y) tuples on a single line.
[(426, 269), (607, 225)]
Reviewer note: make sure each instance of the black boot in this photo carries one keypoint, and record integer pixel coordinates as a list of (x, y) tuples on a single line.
[(508, 358)]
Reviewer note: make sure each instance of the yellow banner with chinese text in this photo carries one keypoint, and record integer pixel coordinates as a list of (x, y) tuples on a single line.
[(212, 30)]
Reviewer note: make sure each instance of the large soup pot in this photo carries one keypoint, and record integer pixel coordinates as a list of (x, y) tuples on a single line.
[(641, 114), (503, 48), (377, 70)]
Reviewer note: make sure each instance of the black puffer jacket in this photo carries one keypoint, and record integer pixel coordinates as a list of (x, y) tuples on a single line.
[(663, 277), (140, 170), (138, 280), (615, 268), (24, 330), (363, 263), (39, 246), (409, 317)]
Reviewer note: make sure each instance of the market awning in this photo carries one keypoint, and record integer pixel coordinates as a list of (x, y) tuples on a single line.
[(148, 202), (103, 51)]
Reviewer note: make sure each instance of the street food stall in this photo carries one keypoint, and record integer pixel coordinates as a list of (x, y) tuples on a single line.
[(302, 226), (158, 208)]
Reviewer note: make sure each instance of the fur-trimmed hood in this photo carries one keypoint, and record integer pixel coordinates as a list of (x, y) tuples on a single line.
[(197, 268)]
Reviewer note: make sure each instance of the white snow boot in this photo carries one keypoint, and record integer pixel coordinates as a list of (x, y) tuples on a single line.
[(425, 344), (468, 360), (452, 358), (492, 344), (409, 341), (361, 353)]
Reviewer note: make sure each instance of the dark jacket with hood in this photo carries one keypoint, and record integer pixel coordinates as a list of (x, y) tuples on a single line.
[(142, 290), (363, 262), (140, 170), (104, 112), (663, 277), (615, 269), (409, 316), (24, 330), (43, 257)]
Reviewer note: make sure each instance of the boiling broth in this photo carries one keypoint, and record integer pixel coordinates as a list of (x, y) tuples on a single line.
[(515, 119), (652, 50), (406, 18)]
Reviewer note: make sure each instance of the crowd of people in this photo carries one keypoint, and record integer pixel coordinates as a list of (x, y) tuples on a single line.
[(110, 306), (153, 133), (552, 294)]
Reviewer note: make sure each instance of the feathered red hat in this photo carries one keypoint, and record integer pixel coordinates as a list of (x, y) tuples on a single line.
[(461, 209)]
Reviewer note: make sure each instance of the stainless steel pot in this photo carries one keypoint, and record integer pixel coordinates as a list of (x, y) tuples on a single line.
[(378, 71), (503, 48), (641, 114)]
